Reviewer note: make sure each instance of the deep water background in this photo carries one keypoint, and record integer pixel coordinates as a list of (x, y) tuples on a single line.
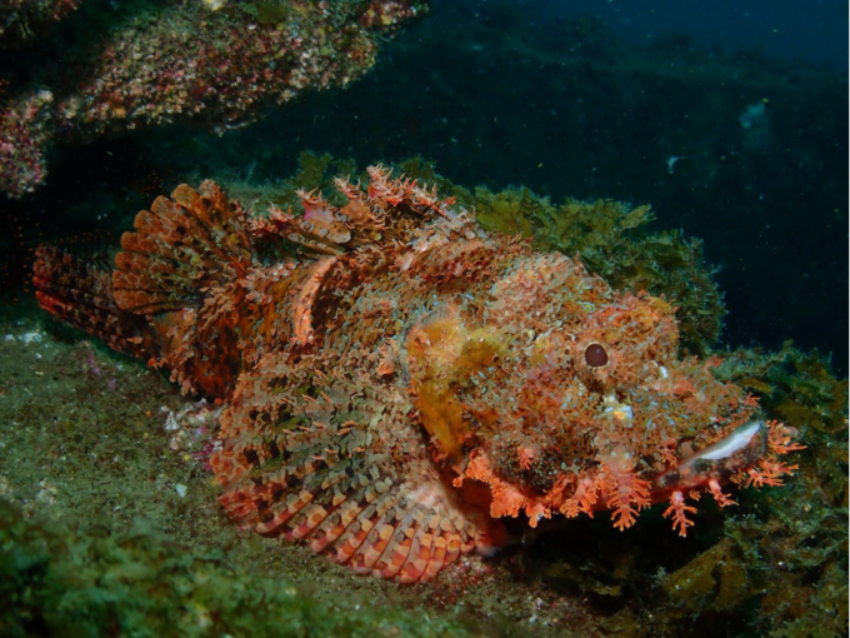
[(730, 118), (811, 31)]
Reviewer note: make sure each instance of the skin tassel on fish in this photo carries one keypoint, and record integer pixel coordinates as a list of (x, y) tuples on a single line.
[(403, 379)]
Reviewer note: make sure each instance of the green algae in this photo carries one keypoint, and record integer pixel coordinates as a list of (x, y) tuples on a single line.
[(610, 238), (89, 581), (800, 389)]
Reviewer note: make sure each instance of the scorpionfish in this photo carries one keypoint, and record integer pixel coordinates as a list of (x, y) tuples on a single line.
[(395, 379)]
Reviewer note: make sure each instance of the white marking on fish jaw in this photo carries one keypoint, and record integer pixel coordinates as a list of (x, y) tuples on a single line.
[(622, 412), (719, 461), (738, 440)]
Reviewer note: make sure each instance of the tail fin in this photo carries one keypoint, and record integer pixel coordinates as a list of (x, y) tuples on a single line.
[(81, 295), (182, 247)]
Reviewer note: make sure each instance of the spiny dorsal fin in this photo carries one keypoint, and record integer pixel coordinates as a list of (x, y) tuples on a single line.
[(388, 211), (181, 248)]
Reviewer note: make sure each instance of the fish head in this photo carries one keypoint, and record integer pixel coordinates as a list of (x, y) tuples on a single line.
[(562, 395)]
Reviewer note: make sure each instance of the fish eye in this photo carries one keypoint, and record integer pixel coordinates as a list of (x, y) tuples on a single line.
[(595, 355)]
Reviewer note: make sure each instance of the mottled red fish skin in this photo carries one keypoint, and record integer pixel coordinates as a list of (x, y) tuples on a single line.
[(382, 360)]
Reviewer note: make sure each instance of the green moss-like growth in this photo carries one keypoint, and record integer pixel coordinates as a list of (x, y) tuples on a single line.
[(315, 172), (270, 12), (510, 212), (91, 582), (800, 389)]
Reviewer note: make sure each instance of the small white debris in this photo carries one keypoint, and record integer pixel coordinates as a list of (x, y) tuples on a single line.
[(180, 489), (170, 421), (46, 493), (192, 426), (671, 163), (35, 336)]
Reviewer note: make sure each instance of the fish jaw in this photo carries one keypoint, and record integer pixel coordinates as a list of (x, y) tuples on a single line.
[(748, 456), (719, 462)]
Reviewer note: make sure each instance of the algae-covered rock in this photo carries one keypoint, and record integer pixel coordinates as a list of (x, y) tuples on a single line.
[(716, 578), (800, 389), (786, 551)]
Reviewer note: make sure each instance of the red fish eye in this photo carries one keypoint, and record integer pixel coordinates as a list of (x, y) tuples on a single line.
[(595, 356)]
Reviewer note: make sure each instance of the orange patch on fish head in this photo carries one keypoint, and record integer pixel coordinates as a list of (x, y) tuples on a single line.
[(445, 353)]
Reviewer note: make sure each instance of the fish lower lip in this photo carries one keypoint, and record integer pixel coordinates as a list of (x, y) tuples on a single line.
[(731, 445), (737, 451)]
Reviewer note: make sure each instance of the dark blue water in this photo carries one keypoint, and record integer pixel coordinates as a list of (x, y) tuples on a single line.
[(814, 32)]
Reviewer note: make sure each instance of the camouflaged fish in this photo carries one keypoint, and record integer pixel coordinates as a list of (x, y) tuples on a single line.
[(403, 379)]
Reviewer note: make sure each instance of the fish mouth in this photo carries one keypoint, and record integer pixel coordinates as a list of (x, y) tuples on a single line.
[(736, 452)]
